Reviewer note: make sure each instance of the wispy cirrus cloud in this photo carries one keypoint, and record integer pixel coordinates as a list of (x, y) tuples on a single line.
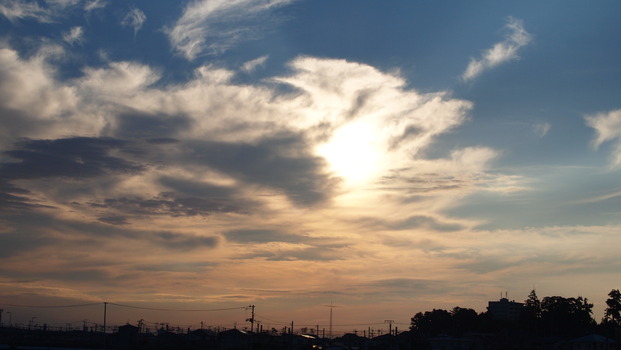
[(135, 18), (215, 26), (541, 129), (17, 10), (74, 35), (47, 11), (94, 5), (501, 52), (607, 127), (254, 64)]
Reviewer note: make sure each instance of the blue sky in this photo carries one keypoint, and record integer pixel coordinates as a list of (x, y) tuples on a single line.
[(390, 157)]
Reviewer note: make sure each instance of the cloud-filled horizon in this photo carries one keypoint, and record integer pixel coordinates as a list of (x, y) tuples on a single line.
[(290, 154)]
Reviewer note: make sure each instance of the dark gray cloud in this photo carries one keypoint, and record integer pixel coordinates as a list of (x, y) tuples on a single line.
[(150, 126), (406, 285), (423, 183), (281, 163), (184, 242), (16, 243), (14, 198), (166, 203), (426, 221), (200, 189), (30, 232), (412, 222), (176, 267), (78, 157), (314, 253), (263, 236), (114, 220)]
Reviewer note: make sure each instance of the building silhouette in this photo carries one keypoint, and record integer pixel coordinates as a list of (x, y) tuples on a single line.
[(505, 309)]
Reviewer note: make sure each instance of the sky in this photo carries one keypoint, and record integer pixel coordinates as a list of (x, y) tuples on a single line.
[(383, 157)]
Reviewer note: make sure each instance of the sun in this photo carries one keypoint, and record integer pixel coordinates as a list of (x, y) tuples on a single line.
[(354, 152)]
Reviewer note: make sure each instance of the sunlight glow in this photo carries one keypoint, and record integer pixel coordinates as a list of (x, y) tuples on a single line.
[(354, 152)]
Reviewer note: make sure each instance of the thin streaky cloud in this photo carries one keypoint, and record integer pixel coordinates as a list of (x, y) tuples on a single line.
[(501, 52), (135, 18), (215, 26), (94, 5), (17, 10), (601, 198)]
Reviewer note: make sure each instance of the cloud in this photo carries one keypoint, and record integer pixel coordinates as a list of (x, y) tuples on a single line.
[(74, 36), (93, 5), (15, 10), (607, 127), (131, 164), (31, 98), (164, 204), (215, 26), (262, 236), (501, 52), (48, 11), (251, 65), (72, 158), (541, 129), (135, 18)]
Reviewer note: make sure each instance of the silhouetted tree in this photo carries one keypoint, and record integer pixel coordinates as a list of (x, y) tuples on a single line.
[(566, 316), (432, 323), (455, 322), (531, 312), (612, 315), (464, 320)]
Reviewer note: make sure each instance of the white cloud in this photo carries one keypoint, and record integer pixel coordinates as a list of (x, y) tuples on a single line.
[(31, 98), (541, 129), (94, 5), (74, 35), (501, 52), (119, 78), (213, 26), (607, 126), (135, 18), (253, 64), (47, 12), (16, 10)]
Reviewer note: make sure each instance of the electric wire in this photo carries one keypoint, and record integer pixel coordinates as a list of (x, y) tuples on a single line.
[(176, 310), (51, 306)]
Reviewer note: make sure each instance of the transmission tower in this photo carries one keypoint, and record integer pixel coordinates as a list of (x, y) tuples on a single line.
[(331, 306)]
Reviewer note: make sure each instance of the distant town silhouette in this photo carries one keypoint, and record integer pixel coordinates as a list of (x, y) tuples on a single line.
[(554, 322)]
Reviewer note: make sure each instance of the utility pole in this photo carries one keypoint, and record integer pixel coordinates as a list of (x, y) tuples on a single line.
[(1, 311), (251, 319), (390, 322), (105, 315)]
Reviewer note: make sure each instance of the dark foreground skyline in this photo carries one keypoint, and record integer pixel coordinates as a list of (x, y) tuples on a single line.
[(553, 322)]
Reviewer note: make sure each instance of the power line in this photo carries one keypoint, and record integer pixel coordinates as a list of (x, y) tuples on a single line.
[(176, 310), (120, 305), (51, 306)]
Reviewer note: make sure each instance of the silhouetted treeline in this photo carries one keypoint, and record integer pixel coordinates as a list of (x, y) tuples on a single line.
[(553, 318)]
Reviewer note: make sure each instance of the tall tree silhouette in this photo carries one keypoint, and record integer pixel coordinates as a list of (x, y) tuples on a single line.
[(530, 317), (612, 315)]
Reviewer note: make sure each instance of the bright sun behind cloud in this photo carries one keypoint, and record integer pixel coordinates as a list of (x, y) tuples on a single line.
[(354, 152)]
